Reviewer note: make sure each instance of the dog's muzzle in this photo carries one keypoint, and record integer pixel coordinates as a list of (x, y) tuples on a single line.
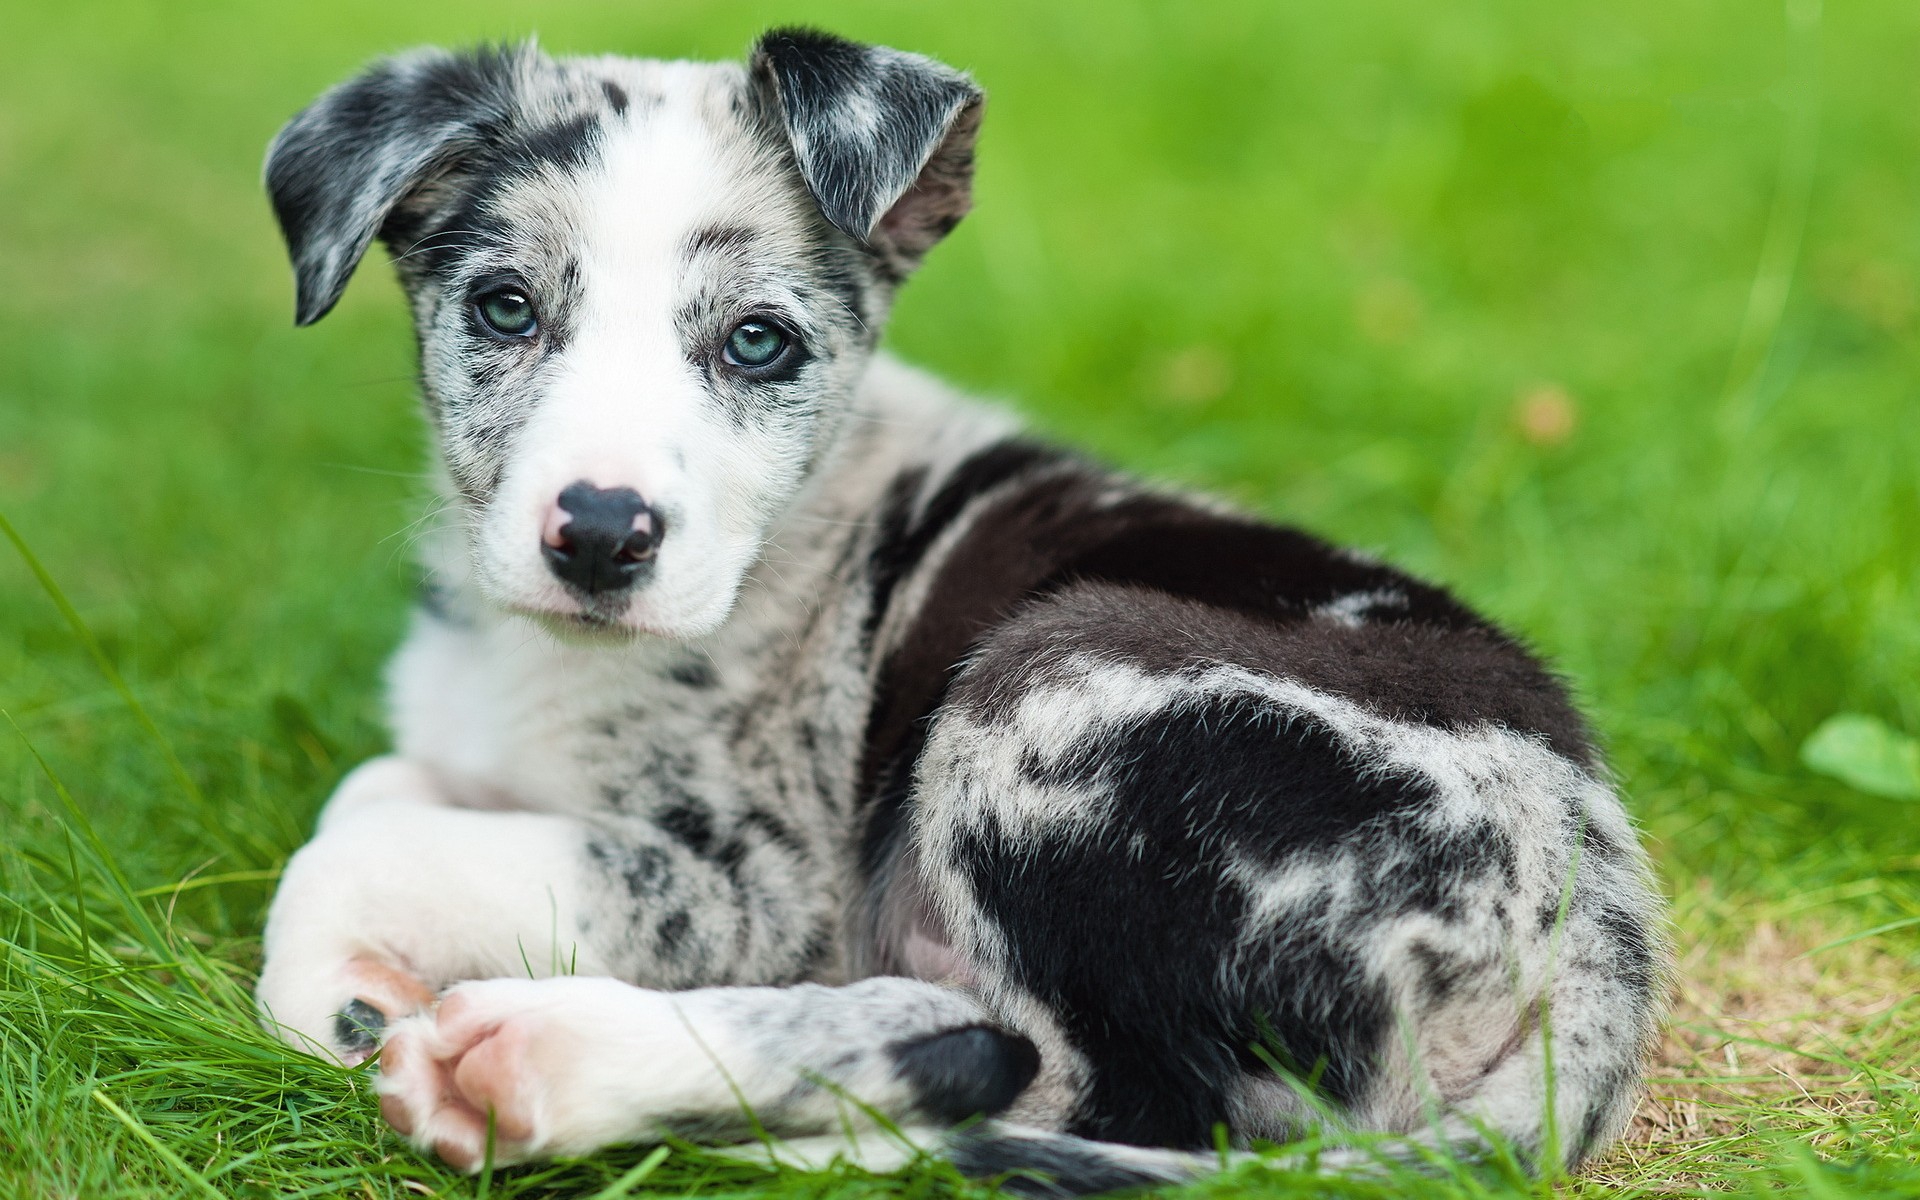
[(600, 540)]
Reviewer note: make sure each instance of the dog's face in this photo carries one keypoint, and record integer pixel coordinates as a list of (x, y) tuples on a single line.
[(644, 291)]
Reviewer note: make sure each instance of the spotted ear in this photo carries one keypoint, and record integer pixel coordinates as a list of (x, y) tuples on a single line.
[(340, 168), (884, 139)]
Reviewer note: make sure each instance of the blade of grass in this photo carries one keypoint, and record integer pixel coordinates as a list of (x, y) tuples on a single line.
[(1876, 931), (203, 807), (153, 1143), (634, 1175)]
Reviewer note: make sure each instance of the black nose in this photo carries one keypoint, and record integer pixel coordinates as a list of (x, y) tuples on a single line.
[(607, 541)]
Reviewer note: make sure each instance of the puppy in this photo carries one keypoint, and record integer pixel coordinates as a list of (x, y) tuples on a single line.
[(784, 742)]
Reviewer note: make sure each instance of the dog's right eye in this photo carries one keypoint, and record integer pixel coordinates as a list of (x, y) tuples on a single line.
[(506, 312)]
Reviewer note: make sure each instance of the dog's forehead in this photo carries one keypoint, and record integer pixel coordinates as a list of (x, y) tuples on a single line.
[(652, 155)]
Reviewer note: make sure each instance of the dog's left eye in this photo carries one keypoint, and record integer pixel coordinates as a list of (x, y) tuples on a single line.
[(755, 343), (506, 312)]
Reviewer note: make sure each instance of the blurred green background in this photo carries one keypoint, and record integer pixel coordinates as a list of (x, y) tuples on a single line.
[(1602, 313)]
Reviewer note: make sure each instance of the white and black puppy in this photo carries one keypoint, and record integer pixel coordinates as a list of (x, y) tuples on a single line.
[(784, 739)]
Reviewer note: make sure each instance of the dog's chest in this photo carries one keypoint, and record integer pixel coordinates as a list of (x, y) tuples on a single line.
[(769, 716)]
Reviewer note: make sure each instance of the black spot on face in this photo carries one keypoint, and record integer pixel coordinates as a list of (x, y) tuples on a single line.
[(568, 144), (720, 239), (616, 96)]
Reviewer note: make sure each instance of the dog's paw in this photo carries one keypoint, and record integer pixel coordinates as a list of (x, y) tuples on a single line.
[(342, 1010), (543, 1067)]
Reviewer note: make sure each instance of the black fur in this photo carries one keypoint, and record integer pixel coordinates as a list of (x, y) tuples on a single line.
[(1052, 563), (1050, 1166), (358, 1026), (340, 167), (870, 125), (1056, 530), (968, 1072)]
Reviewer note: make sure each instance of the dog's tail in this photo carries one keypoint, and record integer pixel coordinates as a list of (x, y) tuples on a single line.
[(1045, 1165), (1050, 1166), (1034, 1162), (1026, 1161)]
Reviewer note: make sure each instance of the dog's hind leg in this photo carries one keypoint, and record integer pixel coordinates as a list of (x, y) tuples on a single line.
[(565, 1066)]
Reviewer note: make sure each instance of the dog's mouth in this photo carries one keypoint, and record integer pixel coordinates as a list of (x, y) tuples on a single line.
[(592, 626)]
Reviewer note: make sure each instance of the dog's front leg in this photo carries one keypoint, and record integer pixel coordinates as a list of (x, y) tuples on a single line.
[(401, 892), (566, 1066)]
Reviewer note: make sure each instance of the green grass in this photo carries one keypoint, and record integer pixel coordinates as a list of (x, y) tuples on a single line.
[(1354, 265)]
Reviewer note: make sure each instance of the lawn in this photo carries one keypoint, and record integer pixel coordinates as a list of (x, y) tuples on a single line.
[(1602, 313)]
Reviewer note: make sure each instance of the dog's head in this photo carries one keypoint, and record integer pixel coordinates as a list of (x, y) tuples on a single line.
[(644, 291)]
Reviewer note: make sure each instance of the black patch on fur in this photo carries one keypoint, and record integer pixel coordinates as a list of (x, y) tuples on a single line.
[(1166, 1031), (644, 870), (841, 278), (616, 96), (774, 830), (1635, 962), (904, 539), (915, 676), (670, 935), (1243, 566), (567, 145), (1617, 1080), (433, 243), (962, 1073), (357, 1027), (1186, 585), (690, 823), (1440, 972), (429, 245), (715, 239), (693, 673)]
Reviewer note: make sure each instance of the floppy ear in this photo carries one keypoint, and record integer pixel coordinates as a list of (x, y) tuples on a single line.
[(339, 168), (884, 139)]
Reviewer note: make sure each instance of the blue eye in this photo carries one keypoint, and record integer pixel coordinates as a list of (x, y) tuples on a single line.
[(755, 343), (506, 312)]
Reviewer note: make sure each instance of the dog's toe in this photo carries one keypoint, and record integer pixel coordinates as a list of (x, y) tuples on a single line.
[(382, 994), (357, 1029), (463, 1082)]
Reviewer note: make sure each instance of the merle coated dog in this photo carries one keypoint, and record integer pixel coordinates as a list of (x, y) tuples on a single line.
[(784, 742)]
